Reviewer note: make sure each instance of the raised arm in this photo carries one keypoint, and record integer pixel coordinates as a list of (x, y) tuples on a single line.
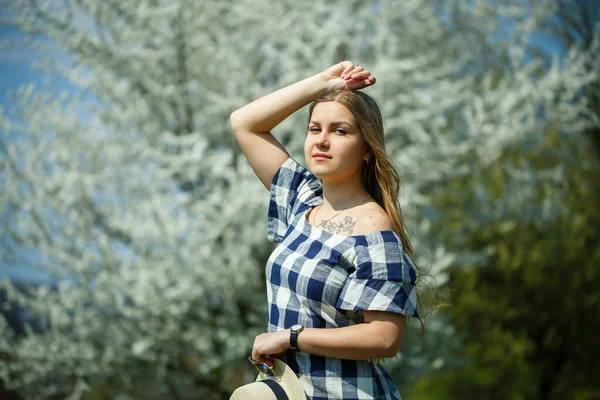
[(252, 124)]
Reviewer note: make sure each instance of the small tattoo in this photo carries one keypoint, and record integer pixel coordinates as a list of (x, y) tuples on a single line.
[(343, 227)]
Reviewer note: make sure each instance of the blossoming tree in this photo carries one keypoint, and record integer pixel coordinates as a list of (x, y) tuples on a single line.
[(129, 188)]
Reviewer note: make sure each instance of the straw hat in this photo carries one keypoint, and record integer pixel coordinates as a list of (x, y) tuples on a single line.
[(284, 385)]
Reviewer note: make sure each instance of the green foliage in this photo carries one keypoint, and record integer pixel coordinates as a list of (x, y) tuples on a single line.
[(527, 315)]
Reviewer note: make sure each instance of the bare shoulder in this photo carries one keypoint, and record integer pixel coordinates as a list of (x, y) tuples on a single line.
[(373, 218)]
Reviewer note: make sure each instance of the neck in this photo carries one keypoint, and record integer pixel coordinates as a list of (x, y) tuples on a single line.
[(343, 194)]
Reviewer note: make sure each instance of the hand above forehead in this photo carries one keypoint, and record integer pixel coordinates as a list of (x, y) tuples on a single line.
[(348, 76)]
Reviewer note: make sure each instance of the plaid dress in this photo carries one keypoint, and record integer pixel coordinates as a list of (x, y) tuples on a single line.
[(324, 280)]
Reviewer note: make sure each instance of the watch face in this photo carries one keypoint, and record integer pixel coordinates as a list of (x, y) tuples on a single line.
[(296, 327)]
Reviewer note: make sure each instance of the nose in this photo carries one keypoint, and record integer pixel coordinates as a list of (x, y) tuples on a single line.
[(321, 140)]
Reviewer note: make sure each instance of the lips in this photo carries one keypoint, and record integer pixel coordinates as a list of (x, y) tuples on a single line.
[(321, 156)]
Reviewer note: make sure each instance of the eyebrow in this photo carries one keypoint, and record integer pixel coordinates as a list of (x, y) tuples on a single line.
[(334, 123)]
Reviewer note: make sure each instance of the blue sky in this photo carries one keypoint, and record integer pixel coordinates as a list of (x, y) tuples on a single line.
[(15, 64), (16, 70)]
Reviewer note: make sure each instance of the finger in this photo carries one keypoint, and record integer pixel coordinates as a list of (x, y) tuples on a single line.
[(354, 84), (346, 64), (356, 70), (348, 67), (255, 356), (259, 356), (359, 76), (267, 360), (256, 353)]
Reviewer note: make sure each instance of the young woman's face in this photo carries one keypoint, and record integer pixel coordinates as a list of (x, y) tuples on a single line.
[(334, 148)]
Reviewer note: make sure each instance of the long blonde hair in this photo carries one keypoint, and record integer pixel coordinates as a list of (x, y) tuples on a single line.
[(379, 175)]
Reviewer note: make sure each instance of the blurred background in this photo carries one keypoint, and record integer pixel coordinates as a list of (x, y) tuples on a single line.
[(133, 231)]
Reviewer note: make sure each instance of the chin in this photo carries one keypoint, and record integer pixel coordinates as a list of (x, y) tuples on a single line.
[(318, 172), (323, 173)]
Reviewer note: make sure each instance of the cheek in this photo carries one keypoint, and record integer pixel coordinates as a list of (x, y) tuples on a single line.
[(309, 142), (355, 154), (307, 145)]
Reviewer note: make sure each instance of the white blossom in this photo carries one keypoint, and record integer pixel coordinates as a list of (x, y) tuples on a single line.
[(131, 191)]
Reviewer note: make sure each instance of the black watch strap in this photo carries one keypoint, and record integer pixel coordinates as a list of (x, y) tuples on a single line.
[(294, 331)]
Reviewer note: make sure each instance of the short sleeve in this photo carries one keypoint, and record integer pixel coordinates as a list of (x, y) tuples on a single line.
[(384, 278), (292, 189)]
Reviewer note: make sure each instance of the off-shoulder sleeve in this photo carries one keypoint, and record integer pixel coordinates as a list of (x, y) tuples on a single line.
[(292, 189), (384, 278)]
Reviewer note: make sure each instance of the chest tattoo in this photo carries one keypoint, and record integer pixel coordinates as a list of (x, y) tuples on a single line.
[(343, 227)]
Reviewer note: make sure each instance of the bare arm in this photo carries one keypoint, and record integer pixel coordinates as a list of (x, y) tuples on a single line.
[(379, 336), (252, 124)]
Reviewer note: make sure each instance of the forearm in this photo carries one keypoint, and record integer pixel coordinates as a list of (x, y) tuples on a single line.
[(379, 336), (356, 342), (265, 113)]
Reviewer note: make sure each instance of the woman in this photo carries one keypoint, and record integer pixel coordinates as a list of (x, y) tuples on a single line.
[(341, 282)]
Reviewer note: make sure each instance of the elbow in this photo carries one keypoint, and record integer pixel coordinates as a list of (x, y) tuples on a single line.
[(239, 123), (387, 332), (392, 348), (234, 121)]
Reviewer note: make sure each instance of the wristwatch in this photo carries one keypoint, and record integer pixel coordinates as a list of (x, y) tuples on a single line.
[(294, 332)]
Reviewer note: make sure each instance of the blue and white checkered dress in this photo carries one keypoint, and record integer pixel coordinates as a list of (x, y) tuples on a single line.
[(324, 280)]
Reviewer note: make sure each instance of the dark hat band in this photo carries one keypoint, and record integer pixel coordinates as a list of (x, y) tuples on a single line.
[(276, 388)]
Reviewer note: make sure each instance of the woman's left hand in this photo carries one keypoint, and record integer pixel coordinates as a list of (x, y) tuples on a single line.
[(347, 76), (271, 343)]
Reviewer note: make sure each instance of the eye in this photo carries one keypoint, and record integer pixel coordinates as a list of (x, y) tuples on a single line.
[(313, 129), (341, 131)]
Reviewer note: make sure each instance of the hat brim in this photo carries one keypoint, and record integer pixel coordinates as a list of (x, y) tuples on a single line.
[(284, 377)]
